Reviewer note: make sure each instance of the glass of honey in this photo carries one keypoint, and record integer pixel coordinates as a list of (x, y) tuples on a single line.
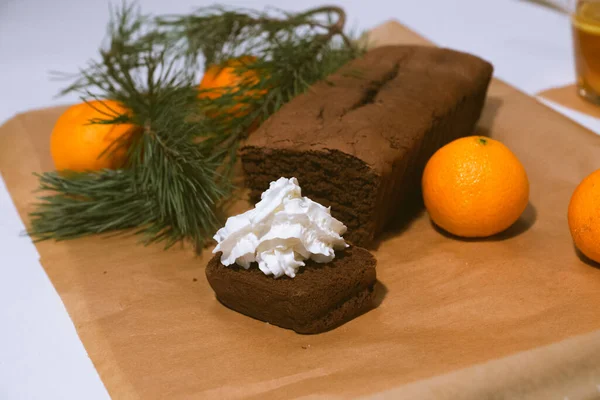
[(586, 40)]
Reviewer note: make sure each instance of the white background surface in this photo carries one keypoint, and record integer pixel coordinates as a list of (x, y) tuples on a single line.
[(41, 356)]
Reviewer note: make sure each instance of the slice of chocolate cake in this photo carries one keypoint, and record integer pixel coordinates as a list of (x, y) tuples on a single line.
[(285, 261), (359, 141), (320, 297)]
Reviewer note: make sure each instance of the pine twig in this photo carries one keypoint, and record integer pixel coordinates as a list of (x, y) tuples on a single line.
[(180, 166)]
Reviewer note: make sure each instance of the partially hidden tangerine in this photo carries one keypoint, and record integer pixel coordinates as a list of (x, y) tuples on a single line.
[(226, 78), (77, 144), (584, 216)]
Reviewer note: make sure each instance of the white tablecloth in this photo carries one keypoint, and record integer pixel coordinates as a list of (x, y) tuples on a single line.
[(41, 355)]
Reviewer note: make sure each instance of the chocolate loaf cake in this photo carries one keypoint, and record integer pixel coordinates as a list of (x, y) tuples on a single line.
[(359, 141), (319, 298)]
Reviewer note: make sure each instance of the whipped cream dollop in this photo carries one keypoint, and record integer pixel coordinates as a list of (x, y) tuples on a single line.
[(280, 232)]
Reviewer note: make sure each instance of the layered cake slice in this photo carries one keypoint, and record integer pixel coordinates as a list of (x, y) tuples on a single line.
[(359, 141), (285, 262)]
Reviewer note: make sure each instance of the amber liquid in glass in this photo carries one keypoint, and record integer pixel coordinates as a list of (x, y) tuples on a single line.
[(586, 40)]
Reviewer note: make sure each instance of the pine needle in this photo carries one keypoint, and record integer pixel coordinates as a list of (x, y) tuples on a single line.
[(180, 166)]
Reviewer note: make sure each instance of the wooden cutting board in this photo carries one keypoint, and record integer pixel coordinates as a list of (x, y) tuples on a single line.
[(458, 319)]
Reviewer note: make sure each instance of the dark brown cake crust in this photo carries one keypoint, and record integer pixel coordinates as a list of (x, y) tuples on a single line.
[(360, 142), (320, 297)]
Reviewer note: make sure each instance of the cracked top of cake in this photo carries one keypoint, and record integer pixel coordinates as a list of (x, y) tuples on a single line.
[(360, 110)]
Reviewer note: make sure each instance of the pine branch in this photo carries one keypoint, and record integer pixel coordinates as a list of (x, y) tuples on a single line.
[(219, 33), (180, 164), (89, 203)]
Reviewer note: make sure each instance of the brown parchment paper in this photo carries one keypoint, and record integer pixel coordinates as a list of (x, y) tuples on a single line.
[(513, 316), (567, 96)]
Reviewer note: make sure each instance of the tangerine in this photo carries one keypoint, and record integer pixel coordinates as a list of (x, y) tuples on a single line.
[(584, 216), (475, 187), (78, 144), (227, 78)]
